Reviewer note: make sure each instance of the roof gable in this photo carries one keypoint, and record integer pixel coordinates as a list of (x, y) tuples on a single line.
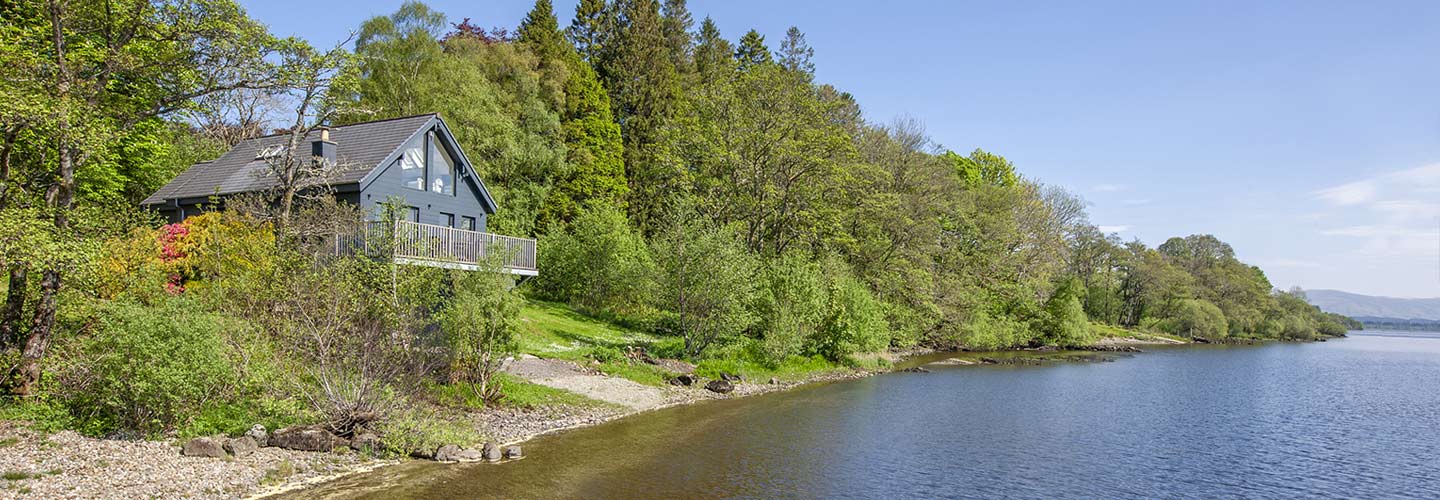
[(366, 148), (463, 167)]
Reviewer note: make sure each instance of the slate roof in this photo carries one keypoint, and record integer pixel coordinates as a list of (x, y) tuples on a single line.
[(360, 146)]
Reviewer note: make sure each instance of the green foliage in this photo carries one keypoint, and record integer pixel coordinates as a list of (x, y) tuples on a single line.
[(1065, 323), (854, 320), (706, 279), (791, 300), (986, 331), (982, 168), (481, 323), (598, 264), (150, 369), (1196, 318)]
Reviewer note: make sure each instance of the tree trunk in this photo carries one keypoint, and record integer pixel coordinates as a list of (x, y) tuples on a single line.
[(14, 307), (29, 372)]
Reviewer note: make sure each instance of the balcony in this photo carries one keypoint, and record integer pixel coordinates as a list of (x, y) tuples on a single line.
[(439, 246)]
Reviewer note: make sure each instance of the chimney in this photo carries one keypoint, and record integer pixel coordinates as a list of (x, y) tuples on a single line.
[(323, 148)]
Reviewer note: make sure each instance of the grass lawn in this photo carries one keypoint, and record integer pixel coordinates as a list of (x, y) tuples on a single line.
[(554, 330), (518, 392)]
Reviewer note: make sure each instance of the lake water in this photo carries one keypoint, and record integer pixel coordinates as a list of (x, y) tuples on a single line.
[(1351, 418)]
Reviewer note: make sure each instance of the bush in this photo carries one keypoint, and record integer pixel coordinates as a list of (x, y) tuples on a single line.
[(1065, 321), (985, 331), (606, 354), (1196, 318), (150, 369), (854, 320), (706, 279), (481, 323), (597, 264), (790, 303)]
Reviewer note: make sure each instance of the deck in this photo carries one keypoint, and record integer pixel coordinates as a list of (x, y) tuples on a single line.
[(439, 246)]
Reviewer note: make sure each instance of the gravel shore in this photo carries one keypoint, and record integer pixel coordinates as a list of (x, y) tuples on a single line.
[(67, 465)]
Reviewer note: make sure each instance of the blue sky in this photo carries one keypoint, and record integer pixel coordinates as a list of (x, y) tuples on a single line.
[(1306, 133)]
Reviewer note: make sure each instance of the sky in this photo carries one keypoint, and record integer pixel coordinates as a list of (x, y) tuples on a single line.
[(1306, 134)]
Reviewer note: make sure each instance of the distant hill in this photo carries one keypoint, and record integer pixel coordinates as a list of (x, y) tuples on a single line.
[(1372, 308)]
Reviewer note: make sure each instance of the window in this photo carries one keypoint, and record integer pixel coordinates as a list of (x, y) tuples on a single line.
[(414, 214), (449, 219), (467, 223), (412, 165), (270, 151), (442, 168)]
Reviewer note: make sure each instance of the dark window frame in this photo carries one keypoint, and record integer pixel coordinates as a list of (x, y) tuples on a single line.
[(467, 223), (414, 214), (449, 219)]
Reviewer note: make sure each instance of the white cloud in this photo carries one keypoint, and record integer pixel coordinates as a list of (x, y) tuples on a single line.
[(1118, 228), (1353, 193), (1390, 214)]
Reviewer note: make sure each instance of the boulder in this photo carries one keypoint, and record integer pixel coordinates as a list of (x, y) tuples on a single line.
[(469, 455), (916, 369), (365, 441), (513, 452), (257, 432), (730, 377), (306, 438), (720, 386), (242, 446), (448, 453), (492, 451), (683, 380), (774, 381), (203, 447)]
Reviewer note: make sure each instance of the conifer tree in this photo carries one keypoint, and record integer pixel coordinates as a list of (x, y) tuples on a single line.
[(795, 53), (752, 51), (713, 53), (594, 19), (676, 24), (644, 89)]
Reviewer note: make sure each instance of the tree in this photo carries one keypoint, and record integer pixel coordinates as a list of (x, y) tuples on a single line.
[(319, 83), (795, 53), (1065, 322), (713, 54), (676, 24), (752, 51), (80, 74), (482, 324), (594, 21), (644, 90), (598, 263), (983, 168), (594, 151), (705, 279)]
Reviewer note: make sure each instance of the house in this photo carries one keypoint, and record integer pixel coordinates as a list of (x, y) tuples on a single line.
[(414, 158)]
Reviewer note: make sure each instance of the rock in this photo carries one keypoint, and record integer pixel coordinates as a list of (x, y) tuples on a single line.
[(242, 446), (774, 381), (203, 447), (306, 438), (729, 377), (916, 369), (423, 453), (365, 441), (492, 451), (257, 432), (448, 453), (684, 380), (513, 452), (720, 386), (469, 455)]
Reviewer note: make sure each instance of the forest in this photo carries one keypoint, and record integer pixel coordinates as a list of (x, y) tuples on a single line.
[(681, 180)]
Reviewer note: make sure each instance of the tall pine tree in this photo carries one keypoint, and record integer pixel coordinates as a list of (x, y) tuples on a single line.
[(795, 53), (644, 89), (676, 25), (752, 51), (593, 150), (713, 53), (594, 19)]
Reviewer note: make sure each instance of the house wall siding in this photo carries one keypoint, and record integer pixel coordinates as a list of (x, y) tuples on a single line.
[(465, 203)]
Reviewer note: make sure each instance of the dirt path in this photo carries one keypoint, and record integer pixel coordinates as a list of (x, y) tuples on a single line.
[(565, 375)]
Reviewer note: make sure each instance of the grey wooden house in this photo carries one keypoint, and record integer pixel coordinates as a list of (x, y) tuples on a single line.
[(414, 158)]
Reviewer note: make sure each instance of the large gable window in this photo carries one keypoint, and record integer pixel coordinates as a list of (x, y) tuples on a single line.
[(412, 165), (442, 167)]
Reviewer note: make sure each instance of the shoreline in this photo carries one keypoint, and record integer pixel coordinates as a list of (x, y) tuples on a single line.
[(163, 472)]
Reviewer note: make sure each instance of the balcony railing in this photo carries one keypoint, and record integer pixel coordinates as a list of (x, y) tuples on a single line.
[(440, 246)]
